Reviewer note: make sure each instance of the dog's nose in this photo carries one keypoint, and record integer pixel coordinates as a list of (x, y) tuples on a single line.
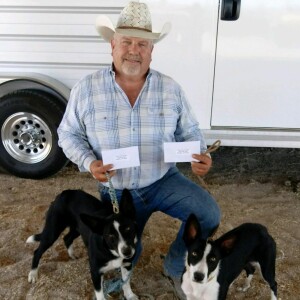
[(126, 251), (198, 276)]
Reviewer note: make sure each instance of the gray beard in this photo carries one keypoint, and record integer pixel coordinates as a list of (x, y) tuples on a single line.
[(130, 70)]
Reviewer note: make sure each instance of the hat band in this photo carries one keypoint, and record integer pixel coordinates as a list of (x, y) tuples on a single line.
[(137, 28)]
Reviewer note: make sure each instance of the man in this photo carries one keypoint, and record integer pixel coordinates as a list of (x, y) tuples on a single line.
[(129, 104)]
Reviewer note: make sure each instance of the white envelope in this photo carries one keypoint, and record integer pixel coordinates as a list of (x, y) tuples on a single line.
[(121, 158), (181, 151)]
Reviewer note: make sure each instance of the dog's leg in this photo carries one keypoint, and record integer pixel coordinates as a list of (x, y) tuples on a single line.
[(97, 277), (247, 284), (33, 274), (250, 269), (267, 264), (126, 274), (223, 290), (99, 294), (47, 238), (68, 240)]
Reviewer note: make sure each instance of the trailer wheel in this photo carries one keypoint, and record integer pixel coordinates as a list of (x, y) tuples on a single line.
[(28, 122)]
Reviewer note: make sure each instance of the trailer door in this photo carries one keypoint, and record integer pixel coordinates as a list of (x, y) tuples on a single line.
[(257, 67)]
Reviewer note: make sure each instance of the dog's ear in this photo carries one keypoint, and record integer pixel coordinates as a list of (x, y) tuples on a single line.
[(96, 224), (192, 230), (126, 204), (227, 244)]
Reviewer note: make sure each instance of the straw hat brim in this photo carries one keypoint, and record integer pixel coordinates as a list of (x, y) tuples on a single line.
[(106, 29)]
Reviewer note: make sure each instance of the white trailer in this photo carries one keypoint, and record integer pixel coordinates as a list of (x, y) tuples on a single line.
[(237, 60)]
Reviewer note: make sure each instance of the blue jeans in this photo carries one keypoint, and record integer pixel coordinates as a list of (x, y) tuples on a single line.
[(178, 197)]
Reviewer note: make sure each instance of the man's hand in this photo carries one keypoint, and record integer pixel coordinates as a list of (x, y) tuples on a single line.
[(98, 170), (203, 165)]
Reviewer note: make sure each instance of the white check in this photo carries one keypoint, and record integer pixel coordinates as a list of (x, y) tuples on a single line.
[(181, 151), (121, 158)]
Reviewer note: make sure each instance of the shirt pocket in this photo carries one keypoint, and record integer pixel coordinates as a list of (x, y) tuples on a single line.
[(106, 122), (170, 118), (163, 122), (162, 115)]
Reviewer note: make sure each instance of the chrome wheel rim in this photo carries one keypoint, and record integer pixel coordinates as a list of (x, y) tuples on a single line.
[(26, 137)]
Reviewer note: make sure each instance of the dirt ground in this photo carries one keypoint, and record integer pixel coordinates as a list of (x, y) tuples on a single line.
[(23, 204)]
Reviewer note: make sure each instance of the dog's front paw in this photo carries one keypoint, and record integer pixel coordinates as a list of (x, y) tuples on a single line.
[(132, 297), (33, 276), (128, 293)]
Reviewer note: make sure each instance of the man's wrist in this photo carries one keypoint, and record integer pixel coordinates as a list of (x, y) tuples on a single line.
[(87, 163)]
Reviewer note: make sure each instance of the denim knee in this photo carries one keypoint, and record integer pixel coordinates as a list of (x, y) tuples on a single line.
[(208, 213)]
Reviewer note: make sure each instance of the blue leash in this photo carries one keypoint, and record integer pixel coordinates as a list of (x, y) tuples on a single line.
[(114, 285), (112, 194)]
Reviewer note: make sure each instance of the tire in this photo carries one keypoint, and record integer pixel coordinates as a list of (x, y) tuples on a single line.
[(28, 122)]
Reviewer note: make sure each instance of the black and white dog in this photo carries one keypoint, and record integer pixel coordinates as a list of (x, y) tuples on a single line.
[(211, 266), (110, 238)]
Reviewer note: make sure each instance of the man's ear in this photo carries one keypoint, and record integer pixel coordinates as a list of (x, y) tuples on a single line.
[(126, 205), (192, 230), (112, 42), (96, 224)]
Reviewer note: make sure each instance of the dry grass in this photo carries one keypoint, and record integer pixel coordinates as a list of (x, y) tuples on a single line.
[(24, 202)]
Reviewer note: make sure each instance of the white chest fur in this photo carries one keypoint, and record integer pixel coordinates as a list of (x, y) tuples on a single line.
[(111, 265), (203, 291)]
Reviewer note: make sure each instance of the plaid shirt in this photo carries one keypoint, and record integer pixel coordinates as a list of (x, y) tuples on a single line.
[(99, 117)]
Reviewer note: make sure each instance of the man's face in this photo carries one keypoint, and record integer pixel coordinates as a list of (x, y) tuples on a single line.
[(131, 56)]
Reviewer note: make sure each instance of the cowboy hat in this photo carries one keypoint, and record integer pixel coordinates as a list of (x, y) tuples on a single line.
[(134, 21)]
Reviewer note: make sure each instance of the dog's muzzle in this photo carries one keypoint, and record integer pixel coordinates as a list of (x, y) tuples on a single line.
[(198, 277), (127, 252)]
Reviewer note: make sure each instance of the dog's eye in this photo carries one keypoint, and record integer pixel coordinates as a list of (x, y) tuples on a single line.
[(194, 253), (127, 229), (213, 259), (111, 238)]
